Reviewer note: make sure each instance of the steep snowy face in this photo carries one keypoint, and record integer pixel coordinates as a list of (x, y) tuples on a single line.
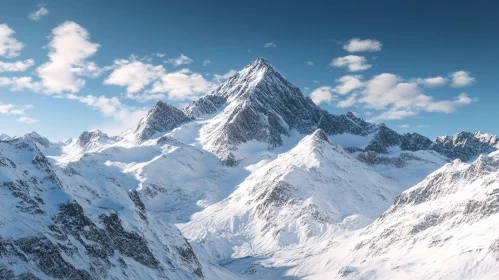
[(4, 136), (466, 145), (205, 105), (56, 223), (314, 188), (161, 118), (261, 106), (443, 228)]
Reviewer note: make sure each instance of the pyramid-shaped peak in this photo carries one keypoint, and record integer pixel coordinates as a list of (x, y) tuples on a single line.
[(259, 65), (162, 117)]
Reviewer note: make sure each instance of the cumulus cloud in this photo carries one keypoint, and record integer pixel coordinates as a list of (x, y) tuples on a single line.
[(357, 45), (432, 82), (270, 45), (206, 62), (69, 49), (38, 14), (461, 79), (354, 63), (181, 85), (181, 60), (348, 83), (322, 94), (309, 63), (17, 66), (134, 75), (398, 99), (9, 46)]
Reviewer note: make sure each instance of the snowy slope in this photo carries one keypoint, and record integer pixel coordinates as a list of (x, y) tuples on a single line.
[(263, 183), (55, 223), (443, 228), (314, 188)]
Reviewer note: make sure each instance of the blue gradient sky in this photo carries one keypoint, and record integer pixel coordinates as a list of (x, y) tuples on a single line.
[(420, 39)]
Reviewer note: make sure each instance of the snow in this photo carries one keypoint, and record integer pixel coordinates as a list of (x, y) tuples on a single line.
[(295, 205)]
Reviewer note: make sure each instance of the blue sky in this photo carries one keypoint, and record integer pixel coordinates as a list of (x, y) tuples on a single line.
[(423, 66)]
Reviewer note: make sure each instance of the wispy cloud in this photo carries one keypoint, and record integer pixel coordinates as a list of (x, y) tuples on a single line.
[(181, 60), (270, 45), (206, 62), (27, 120), (11, 109), (38, 14)]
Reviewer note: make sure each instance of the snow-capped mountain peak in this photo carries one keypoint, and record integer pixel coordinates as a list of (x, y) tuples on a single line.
[(161, 118)]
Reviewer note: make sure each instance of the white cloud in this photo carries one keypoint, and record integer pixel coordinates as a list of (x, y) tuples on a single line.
[(404, 126), (38, 14), (10, 109), (270, 45), (20, 83), (221, 78), (309, 63), (432, 82), (69, 49), (354, 63), (18, 66), (399, 99), (181, 85), (181, 60), (348, 83), (368, 45), (322, 94), (135, 75), (449, 106), (9, 46), (206, 62), (394, 114), (160, 55), (27, 120), (124, 116), (349, 102), (461, 79)]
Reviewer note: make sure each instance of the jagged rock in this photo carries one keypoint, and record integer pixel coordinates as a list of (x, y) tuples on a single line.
[(466, 145)]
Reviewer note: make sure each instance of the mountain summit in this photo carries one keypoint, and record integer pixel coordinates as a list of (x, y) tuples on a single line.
[(258, 104)]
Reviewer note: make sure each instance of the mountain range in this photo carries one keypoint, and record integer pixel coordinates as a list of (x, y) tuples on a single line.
[(251, 181)]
